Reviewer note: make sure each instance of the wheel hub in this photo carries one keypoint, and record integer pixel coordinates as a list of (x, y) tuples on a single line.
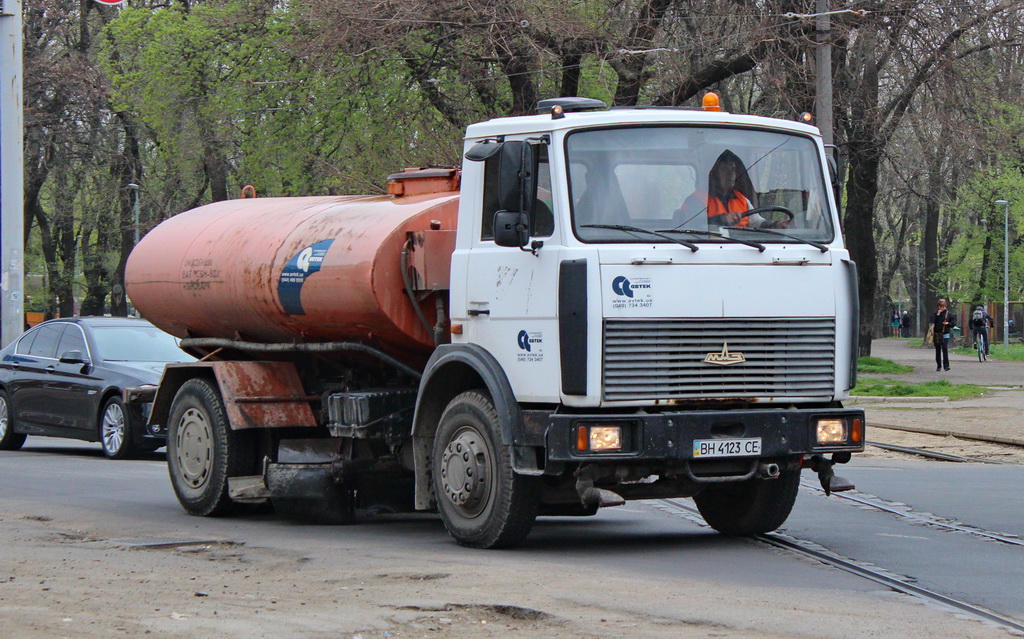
[(194, 448), (3, 418), (113, 428), (465, 470)]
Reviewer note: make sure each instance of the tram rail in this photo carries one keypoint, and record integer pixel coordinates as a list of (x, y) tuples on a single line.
[(897, 583)]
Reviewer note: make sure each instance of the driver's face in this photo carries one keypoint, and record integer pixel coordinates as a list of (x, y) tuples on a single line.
[(725, 175)]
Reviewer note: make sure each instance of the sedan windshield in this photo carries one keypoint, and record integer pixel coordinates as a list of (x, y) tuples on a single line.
[(137, 344), (701, 183)]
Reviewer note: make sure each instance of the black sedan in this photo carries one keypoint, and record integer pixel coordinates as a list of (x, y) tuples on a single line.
[(65, 377)]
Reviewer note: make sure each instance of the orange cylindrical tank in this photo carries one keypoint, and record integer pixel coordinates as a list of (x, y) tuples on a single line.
[(306, 269)]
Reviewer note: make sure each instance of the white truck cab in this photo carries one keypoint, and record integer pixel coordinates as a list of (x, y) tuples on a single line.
[(667, 300)]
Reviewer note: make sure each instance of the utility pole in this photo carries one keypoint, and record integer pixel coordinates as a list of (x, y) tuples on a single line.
[(823, 70), (1006, 272), (12, 260)]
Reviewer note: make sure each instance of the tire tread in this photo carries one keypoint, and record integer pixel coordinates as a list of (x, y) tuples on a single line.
[(515, 509)]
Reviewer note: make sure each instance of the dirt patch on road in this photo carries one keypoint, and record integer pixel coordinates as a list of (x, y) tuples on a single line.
[(60, 581)]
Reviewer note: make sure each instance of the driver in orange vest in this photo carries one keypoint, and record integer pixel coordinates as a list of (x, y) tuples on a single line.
[(726, 203), (725, 199)]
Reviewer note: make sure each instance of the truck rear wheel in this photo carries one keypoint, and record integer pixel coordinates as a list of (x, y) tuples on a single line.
[(750, 507), (203, 451), (483, 502)]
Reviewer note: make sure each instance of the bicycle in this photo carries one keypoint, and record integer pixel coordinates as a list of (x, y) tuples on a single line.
[(980, 343)]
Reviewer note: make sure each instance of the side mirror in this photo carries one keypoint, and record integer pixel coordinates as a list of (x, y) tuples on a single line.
[(72, 357), (511, 228), (517, 185)]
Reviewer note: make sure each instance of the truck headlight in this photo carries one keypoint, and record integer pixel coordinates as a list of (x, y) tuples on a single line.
[(831, 430), (598, 438)]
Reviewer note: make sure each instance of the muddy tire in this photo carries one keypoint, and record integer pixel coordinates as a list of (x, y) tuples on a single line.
[(203, 451), (9, 440), (115, 431), (751, 507), (483, 502)]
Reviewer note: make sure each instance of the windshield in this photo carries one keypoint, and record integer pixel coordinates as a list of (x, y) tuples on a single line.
[(137, 344), (699, 183)]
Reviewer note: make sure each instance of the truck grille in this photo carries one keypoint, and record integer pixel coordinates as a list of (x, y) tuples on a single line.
[(664, 359)]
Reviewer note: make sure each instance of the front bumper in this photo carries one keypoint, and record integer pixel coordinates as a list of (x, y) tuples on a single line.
[(670, 436)]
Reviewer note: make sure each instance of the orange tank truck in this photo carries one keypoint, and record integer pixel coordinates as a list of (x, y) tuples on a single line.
[(541, 331), (307, 269)]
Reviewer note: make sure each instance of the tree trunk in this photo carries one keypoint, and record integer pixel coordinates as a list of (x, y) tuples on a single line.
[(570, 75), (128, 170), (861, 189)]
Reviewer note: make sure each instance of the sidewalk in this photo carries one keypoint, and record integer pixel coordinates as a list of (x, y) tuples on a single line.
[(997, 413)]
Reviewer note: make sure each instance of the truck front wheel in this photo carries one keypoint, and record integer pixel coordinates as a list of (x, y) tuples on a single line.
[(483, 502), (751, 507), (203, 451)]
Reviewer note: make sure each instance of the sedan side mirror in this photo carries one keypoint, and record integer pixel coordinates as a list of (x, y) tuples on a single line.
[(73, 357)]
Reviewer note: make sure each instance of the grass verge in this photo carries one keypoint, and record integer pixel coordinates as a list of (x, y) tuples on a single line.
[(881, 366), (883, 387), (1012, 353)]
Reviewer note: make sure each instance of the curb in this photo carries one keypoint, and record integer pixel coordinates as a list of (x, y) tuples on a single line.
[(868, 399)]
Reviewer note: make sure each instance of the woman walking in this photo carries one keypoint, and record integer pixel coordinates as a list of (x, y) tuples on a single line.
[(942, 325)]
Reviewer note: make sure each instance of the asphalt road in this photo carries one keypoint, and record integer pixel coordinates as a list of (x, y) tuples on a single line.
[(645, 541)]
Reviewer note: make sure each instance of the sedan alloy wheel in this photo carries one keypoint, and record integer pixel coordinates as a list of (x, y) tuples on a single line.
[(114, 433)]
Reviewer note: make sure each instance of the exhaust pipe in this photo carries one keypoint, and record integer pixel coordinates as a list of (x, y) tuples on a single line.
[(768, 470)]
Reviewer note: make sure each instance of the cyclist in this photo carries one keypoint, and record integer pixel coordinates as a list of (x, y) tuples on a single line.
[(980, 321)]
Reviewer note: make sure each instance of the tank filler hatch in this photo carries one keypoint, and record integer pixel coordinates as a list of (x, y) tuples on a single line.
[(416, 181)]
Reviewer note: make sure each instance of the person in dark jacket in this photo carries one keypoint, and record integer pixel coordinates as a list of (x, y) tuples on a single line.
[(942, 325), (905, 321)]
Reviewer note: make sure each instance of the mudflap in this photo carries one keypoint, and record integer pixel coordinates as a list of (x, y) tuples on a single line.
[(310, 494)]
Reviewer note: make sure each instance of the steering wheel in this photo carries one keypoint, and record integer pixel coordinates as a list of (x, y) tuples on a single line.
[(760, 209)]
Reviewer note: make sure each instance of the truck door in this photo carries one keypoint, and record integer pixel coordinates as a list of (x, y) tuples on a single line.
[(511, 292)]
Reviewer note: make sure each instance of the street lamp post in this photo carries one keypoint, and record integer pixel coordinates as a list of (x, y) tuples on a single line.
[(1006, 272), (135, 207)]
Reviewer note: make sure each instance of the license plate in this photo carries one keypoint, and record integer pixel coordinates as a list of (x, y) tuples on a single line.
[(749, 447)]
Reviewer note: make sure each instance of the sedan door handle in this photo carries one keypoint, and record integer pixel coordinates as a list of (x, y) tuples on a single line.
[(50, 369), (15, 364)]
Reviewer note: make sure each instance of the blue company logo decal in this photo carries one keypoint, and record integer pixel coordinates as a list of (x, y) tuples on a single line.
[(621, 286), (531, 346), (296, 271), (524, 341)]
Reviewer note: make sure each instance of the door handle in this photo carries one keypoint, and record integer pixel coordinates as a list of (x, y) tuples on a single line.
[(15, 364), (50, 369), (474, 312)]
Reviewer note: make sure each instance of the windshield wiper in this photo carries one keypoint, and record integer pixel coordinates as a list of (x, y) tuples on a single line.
[(820, 247), (759, 247), (636, 229)]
